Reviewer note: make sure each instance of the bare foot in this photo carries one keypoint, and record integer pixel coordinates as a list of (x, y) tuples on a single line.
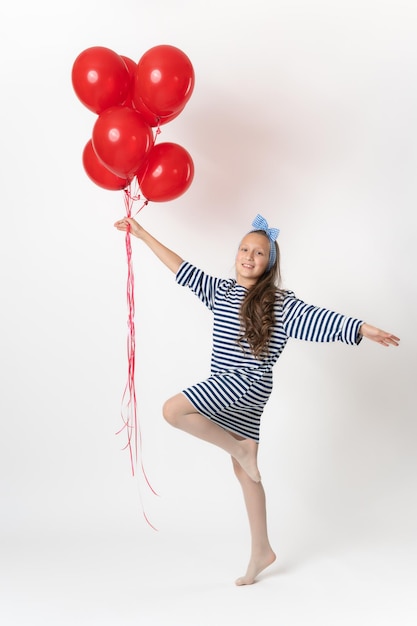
[(255, 567), (246, 457)]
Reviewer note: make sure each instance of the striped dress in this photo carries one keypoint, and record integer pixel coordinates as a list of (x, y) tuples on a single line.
[(239, 385)]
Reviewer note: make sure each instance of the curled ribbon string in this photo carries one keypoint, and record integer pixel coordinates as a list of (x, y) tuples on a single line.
[(129, 401)]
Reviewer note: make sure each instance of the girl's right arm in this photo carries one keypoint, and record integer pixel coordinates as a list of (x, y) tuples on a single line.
[(164, 254)]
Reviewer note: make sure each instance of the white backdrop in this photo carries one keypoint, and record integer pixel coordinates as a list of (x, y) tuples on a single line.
[(304, 111)]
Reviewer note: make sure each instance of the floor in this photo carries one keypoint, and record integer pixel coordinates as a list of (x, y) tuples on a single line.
[(175, 578)]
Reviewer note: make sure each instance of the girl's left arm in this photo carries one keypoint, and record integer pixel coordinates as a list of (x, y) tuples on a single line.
[(378, 335), (312, 323)]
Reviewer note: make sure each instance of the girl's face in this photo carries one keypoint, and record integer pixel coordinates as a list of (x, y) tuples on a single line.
[(252, 259)]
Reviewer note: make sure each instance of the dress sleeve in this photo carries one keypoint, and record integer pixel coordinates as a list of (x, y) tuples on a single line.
[(312, 323), (201, 284)]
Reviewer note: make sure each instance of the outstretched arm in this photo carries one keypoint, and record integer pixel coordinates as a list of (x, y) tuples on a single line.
[(311, 323), (378, 335), (164, 254)]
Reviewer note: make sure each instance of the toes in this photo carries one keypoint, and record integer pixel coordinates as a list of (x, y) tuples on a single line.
[(244, 581)]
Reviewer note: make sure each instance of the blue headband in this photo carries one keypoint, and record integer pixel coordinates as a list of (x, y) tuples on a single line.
[(260, 223)]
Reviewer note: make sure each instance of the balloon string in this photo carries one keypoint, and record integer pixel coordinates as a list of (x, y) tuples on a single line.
[(129, 401), (158, 130), (132, 196)]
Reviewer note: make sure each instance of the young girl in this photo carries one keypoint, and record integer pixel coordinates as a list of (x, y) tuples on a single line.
[(253, 320)]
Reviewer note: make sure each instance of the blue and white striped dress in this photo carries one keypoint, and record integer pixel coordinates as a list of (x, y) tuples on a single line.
[(239, 385)]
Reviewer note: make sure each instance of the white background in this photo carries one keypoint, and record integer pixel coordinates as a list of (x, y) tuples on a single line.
[(304, 111)]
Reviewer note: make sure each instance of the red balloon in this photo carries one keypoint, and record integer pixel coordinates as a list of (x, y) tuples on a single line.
[(98, 173), (167, 173), (122, 140), (164, 80), (100, 78), (150, 118)]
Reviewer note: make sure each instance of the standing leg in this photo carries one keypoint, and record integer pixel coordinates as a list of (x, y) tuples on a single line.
[(179, 412), (262, 554)]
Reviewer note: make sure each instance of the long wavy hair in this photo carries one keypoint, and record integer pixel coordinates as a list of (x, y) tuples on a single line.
[(257, 315)]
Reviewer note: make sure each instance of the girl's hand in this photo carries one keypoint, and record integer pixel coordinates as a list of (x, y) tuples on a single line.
[(128, 223), (378, 335), (164, 254)]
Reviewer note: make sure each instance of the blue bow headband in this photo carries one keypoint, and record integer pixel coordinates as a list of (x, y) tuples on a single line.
[(260, 223)]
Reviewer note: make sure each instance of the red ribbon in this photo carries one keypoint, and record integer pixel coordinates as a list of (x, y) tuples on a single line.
[(129, 401)]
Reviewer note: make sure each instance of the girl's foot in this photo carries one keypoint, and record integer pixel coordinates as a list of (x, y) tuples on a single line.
[(256, 566)]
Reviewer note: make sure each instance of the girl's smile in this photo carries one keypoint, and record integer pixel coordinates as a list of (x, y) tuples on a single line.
[(252, 259)]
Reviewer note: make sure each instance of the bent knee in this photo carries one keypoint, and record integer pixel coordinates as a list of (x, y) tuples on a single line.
[(170, 412), (176, 409)]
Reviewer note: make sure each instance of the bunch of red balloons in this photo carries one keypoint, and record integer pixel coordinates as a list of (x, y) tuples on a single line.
[(130, 100)]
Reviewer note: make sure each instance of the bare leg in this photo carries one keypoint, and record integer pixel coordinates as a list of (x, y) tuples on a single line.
[(262, 554), (179, 412)]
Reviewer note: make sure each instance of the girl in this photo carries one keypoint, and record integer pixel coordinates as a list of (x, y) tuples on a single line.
[(253, 319)]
